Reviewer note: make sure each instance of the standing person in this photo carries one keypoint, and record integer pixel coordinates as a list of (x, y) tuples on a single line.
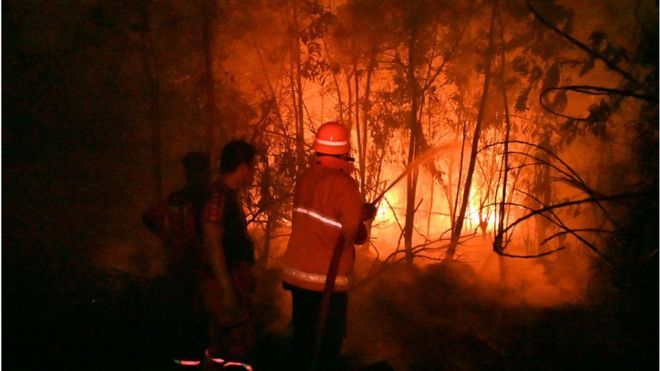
[(177, 222), (227, 282), (327, 206)]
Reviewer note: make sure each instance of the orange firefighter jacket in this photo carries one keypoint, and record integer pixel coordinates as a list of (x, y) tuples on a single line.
[(327, 203)]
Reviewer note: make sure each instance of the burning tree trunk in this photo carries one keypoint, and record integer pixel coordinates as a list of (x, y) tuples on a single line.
[(458, 225), (153, 83)]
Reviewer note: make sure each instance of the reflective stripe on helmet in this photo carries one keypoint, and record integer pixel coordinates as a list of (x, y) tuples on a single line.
[(318, 217), (332, 138), (313, 277), (331, 143)]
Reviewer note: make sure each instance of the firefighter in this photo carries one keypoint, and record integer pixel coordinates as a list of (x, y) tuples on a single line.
[(227, 282), (177, 222), (327, 206)]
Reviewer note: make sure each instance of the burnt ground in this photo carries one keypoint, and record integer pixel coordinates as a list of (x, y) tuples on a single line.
[(73, 319)]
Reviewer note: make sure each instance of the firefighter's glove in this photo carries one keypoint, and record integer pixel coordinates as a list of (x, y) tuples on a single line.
[(368, 211)]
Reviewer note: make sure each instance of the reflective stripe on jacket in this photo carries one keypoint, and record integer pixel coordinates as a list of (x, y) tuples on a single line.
[(327, 202)]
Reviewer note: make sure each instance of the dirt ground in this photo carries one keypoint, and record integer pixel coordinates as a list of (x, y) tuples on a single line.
[(424, 319)]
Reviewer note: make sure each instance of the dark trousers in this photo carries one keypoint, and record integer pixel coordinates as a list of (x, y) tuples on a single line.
[(232, 337), (187, 321), (305, 322)]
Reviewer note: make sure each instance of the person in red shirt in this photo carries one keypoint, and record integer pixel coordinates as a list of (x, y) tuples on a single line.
[(226, 281), (327, 206)]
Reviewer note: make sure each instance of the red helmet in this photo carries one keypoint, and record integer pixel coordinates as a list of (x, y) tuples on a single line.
[(332, 138)]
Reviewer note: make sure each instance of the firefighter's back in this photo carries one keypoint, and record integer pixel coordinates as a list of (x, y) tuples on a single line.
[(321, 196)]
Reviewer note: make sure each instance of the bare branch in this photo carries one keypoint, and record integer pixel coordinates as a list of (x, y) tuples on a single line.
[(550, 208), (530, 256), (590, 90), (594, 230), (559, 223)]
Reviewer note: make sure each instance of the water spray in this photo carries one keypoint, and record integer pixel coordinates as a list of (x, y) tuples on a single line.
[(427, 156)]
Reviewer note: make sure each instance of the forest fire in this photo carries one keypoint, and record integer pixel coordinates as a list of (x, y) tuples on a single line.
[(504, 154)]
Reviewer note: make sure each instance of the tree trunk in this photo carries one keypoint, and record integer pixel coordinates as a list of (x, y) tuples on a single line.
[(365, 124), (214, 132), (456, 234), (429, 114), (543, 190), (411, 178), (349, 105), (356, 81), (271, 89), (339, 100), (498, 244), (153, 83), (296, 87)]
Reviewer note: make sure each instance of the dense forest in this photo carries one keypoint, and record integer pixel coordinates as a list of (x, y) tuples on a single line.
[(523, 234)]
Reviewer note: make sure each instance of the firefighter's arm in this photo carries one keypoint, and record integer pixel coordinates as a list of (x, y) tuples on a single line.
[(368, 213), (352, 215), (213, 244)]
